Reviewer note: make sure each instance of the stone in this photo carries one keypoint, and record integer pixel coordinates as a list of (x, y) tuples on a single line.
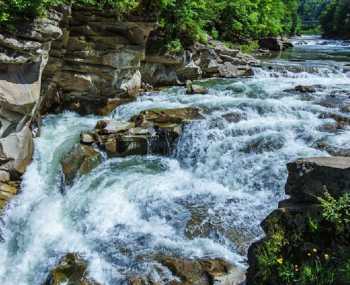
[(95, 66), (196, 271), (305, 89), (312, 177), (8, 189), (71, 270), (234, 117), (274, 44), (169, 116), (153, 131), (16, 150), (81, 160), (195, 89)]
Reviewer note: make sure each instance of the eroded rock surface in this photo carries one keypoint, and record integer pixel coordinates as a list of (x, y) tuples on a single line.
[(95, 66), (23, 56)]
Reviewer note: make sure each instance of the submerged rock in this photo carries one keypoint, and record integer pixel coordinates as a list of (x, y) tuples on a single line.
[(80, 160), (305, 89), (71, 270)]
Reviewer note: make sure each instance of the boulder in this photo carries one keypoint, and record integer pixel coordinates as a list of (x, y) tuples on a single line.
[(310, 230), (312, 177), (195, 271), (305, 89), (81, 160), (274, 44), (71, 270), (153, 131), (195, 89)]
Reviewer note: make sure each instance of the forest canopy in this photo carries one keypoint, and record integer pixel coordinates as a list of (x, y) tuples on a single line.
[(195, 19), (335, 20)]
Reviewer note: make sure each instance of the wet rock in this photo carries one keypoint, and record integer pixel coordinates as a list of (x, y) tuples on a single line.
[(310, 178), (199, 272), (71, 270), (81, 160), (169, 116), (8, 189), (263, 144), (195, 89), (152, 131), (234, 117), (341, 120), (305, 89)]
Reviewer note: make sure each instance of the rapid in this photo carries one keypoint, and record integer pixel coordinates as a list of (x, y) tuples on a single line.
[(205, 200)]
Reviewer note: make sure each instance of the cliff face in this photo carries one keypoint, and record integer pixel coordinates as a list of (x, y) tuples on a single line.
[(23, 57), (75, 58), (95, 66), (307, 237)]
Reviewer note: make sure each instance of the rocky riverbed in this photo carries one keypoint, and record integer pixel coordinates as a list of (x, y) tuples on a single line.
[(171, 187)]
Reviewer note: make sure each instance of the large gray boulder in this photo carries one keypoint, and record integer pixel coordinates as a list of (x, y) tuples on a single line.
[(311, 177)]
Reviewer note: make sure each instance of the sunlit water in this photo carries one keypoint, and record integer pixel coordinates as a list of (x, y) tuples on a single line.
[(228, 175)]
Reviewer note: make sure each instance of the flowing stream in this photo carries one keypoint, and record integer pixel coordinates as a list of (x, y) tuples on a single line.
[(206, 200)]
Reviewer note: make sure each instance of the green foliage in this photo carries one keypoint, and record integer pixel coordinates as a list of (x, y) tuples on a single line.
[(188, 20), (18, 9), (193, 20), (307, 248), (174, 47), (335, 21), (310, 12), (336, 211)]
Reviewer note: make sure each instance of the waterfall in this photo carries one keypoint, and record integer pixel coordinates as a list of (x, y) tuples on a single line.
[(205, 200)]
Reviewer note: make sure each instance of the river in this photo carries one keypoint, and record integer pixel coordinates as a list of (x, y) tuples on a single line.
[(205, 200)]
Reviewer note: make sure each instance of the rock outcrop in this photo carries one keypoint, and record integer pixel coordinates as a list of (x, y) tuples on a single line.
[(95, 66), (154, 131), (198, 61), (23, 56), (76, 58), (307, 237)]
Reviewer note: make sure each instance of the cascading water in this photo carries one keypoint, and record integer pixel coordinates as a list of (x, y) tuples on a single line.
[(206, 200)]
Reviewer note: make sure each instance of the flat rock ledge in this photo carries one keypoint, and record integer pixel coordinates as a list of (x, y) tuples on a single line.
[(301, 235)]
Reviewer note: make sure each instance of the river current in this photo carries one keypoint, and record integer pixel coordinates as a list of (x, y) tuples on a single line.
[(206, 200)]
